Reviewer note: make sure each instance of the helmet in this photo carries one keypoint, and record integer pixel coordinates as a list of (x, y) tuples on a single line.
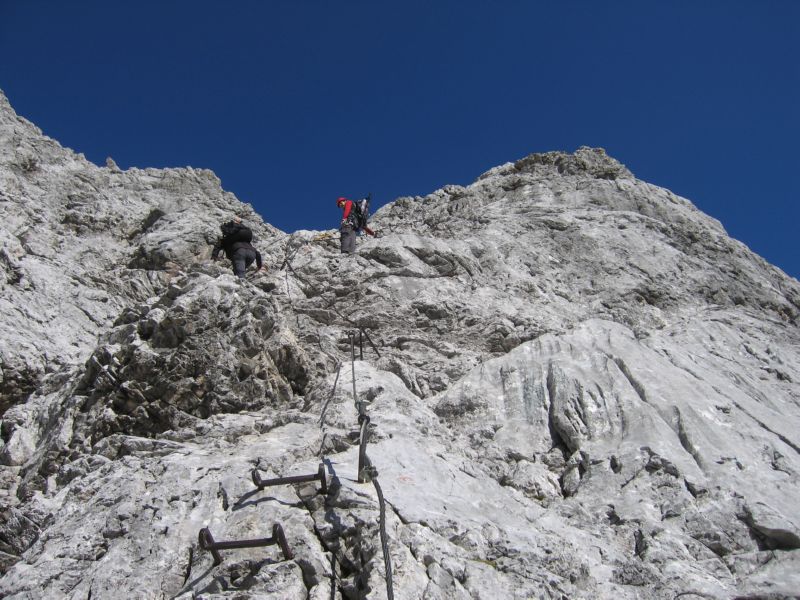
[(340, 201)]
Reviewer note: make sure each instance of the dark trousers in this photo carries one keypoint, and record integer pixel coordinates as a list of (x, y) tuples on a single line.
[(242, 259), (348, 239)]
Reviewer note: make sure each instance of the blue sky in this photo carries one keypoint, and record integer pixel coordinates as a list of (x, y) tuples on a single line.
[(293, 103)]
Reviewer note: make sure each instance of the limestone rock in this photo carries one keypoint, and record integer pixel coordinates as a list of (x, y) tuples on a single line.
[(578, 386)]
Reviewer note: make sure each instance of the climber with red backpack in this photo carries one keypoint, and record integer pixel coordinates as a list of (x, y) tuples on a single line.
[(235, 241), (354, 220)]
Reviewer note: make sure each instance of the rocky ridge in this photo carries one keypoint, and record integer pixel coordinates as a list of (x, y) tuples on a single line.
[(579, 386)]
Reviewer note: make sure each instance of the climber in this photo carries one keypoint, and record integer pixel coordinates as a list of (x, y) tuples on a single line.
[(354, 219), (235, 240)]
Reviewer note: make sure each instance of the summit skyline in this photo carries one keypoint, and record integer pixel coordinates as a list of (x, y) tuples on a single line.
[(295, 104)]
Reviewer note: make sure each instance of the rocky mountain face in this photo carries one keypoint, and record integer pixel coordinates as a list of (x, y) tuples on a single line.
[(577, 386)]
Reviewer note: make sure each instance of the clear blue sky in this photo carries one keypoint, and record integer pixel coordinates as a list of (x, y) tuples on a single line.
[(293, 103)]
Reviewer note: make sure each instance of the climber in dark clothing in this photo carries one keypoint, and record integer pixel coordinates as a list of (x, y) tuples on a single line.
[(235, 241)]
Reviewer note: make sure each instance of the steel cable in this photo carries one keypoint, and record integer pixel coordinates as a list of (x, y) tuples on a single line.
[(330, 396), (387, 560), (365, 468), (353, 367), (364, 464)]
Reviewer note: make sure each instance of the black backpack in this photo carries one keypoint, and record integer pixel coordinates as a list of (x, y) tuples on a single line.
[(361, 212), (233, 232)]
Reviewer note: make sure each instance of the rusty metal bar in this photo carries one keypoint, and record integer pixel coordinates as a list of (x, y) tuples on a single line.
[(369, 339), (206, 541), (320, 474), (364, 466)]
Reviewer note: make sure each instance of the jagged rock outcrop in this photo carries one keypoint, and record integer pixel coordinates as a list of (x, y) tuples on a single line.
[(81, 243), (579, 386)]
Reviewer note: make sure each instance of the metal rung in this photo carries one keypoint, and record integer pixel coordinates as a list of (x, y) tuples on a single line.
[(207, 542), (262, 483)]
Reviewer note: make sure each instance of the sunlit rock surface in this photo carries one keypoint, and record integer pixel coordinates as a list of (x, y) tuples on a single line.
[(578, 387)]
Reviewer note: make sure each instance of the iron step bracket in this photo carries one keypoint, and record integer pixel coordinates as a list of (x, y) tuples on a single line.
[(320, 474), (206, 541)]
